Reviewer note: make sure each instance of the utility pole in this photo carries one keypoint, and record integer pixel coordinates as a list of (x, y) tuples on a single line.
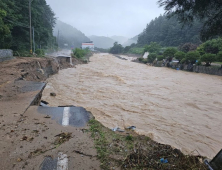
[(33, 39), (58, 38), (30, 22)]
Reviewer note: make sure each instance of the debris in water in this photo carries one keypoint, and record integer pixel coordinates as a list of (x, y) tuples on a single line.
[(117, 129), (131, 127), (162, 160), (52, 94), (47, 116)]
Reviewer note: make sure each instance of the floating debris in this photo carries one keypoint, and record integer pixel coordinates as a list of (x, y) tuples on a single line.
[(131, 127), (117, 129), (52, 94)]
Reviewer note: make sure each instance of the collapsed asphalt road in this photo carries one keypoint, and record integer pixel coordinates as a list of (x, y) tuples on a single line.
[(28, 136), (73, 116)]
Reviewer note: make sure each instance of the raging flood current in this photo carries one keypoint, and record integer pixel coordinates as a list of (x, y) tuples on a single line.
[(172, 107)]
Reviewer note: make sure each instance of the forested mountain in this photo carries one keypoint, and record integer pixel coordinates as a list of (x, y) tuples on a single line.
[(67, 34), (130, 41), (119, 39), (14, 24), (169, 32), (102, 42)]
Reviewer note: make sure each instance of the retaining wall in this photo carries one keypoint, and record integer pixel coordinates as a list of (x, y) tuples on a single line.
[(6, 54), (213, 70), (206, 70)]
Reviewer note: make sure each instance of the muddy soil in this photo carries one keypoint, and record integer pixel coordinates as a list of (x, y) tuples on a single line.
[(27, 137)]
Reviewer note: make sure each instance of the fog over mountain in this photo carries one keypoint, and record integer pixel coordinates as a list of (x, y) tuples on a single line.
[(107, 18), (130, 41), (120, 39), (102, 41), (68, 36)]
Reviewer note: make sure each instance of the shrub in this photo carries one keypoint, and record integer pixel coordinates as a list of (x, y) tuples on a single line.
[(219, 57), (117, 48), (129, 138), (160, 57), (169, 53), (188, 47), (40, 52), (183, 61), (192, 56), (142, 60), (126, 49), (211, 46), (198, 63), (79, 53), (208, 58), (179, 55), (151, 57), (153, 47)]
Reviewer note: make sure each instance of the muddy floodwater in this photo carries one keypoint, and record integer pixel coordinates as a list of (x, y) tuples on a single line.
[(172, 107)]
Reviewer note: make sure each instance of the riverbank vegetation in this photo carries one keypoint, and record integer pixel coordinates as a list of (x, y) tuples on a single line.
[(128, 150), (189, 32), (14, 26), (206, 53), (81, 54)]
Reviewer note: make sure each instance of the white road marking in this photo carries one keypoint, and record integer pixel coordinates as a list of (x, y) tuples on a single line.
[(65, 119), (62, 163)]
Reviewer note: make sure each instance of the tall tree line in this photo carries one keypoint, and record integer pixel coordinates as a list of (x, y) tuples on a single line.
[(169, 32), (14, 24)]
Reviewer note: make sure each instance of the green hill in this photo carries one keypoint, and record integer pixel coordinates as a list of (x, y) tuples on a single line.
[(69, 37)]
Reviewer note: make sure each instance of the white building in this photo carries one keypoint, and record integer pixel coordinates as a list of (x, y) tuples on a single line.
[(89, 45)]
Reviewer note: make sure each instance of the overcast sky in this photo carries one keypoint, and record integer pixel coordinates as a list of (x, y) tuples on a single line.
[(107, 17)]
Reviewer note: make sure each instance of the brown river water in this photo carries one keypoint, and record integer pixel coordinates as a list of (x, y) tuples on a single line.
[(172, 107)]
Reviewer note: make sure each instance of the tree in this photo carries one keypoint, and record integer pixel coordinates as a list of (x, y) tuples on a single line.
[(188, 47), (169, 53), (160, 58), (151, 57), (192, 56), (169, 32), (179, 55), (17, 21), (209, 11), (219, 57), (126, 49), (208, 58), (4, 29), (153, 47), (211, 46), (116, 49)]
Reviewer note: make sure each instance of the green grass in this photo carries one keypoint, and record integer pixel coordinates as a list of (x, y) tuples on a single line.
[(128, 150), (136, 50)]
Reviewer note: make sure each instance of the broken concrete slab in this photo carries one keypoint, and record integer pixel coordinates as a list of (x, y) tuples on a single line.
[(73, 116)]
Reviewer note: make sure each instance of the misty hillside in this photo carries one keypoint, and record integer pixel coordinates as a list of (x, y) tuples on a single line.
[(69, 35), (170, 32), (102, 42), (119, 39), (130, 41)]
